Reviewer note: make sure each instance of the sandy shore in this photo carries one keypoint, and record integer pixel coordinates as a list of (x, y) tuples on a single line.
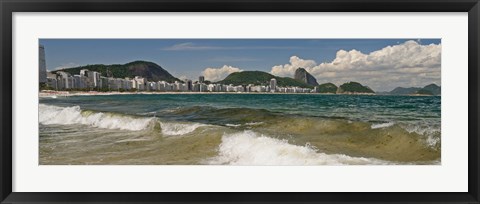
[(54, 94), (95, 93)]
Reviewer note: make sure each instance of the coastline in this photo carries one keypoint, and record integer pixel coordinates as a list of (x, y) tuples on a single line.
[(49, 93)]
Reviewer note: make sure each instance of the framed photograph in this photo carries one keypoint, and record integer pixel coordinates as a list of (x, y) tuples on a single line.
[(261, 101)]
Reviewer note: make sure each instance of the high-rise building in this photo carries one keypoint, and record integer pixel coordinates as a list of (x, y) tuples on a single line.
[(94, 78), (203, 88), (140, 83), (65, 80), (42, 65), (273, 84), (52, 80), (196, 87), (84, 72), (201, 79), (78, 82), (189, 85)]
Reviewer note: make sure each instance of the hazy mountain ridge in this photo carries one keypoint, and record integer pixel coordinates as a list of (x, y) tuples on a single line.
[(431, 89), (404, 91)]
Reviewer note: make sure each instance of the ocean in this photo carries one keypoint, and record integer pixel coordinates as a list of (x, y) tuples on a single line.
[(240, 129)]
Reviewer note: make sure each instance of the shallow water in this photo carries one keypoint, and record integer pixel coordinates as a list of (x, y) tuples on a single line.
[(240, 129)]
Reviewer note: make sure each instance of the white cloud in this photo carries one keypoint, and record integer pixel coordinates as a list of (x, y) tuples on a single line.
[(189, 46), (217, 74), (407, 64), (192, 46), (289, 69), (183, 78)]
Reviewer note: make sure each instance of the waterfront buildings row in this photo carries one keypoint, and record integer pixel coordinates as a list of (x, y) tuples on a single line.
[(91, 80)]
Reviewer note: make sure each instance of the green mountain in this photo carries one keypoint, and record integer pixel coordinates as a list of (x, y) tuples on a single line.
[(354, 87), (148, 70), (260, 78), (327, 88), (431, 89), (404, 91)]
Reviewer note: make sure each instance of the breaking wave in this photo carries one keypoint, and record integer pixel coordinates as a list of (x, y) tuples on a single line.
[(251, 148), (54, 115), (74, 115), (382, 125), (175, 129), (430, 133)]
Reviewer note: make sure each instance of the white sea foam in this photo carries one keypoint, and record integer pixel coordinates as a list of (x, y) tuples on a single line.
[(133, 140), (382, 125), (73, 115), (174, 129), (430, 132), (250, 148), (248, 124), (432, 141), (254, 123), (422, 129)]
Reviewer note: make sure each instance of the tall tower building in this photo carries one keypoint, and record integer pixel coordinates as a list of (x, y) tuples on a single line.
[(189, 85), (273, 85), (42, 65), (201, 79)]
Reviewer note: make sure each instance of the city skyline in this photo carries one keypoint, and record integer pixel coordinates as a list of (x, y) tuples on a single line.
[(87, 80), (382, 64)]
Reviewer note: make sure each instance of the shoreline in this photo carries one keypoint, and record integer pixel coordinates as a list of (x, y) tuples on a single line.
[(95, 93), (49, 94)]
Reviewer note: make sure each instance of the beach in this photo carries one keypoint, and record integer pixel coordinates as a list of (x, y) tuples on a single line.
[(97, 93)]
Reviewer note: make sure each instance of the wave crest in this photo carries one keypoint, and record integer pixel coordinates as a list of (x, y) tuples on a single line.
[(382, 125), (250, 148), (49, 115), (174, 129)]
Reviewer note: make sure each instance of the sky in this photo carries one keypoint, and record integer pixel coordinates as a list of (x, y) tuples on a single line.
[(381, 64)]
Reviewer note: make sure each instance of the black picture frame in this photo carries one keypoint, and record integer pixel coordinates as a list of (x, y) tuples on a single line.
[(8, 7)]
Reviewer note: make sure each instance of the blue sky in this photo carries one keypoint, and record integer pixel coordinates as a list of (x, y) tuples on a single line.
[(190, 57)]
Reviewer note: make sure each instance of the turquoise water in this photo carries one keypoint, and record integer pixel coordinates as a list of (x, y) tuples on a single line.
[(230, 128)]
